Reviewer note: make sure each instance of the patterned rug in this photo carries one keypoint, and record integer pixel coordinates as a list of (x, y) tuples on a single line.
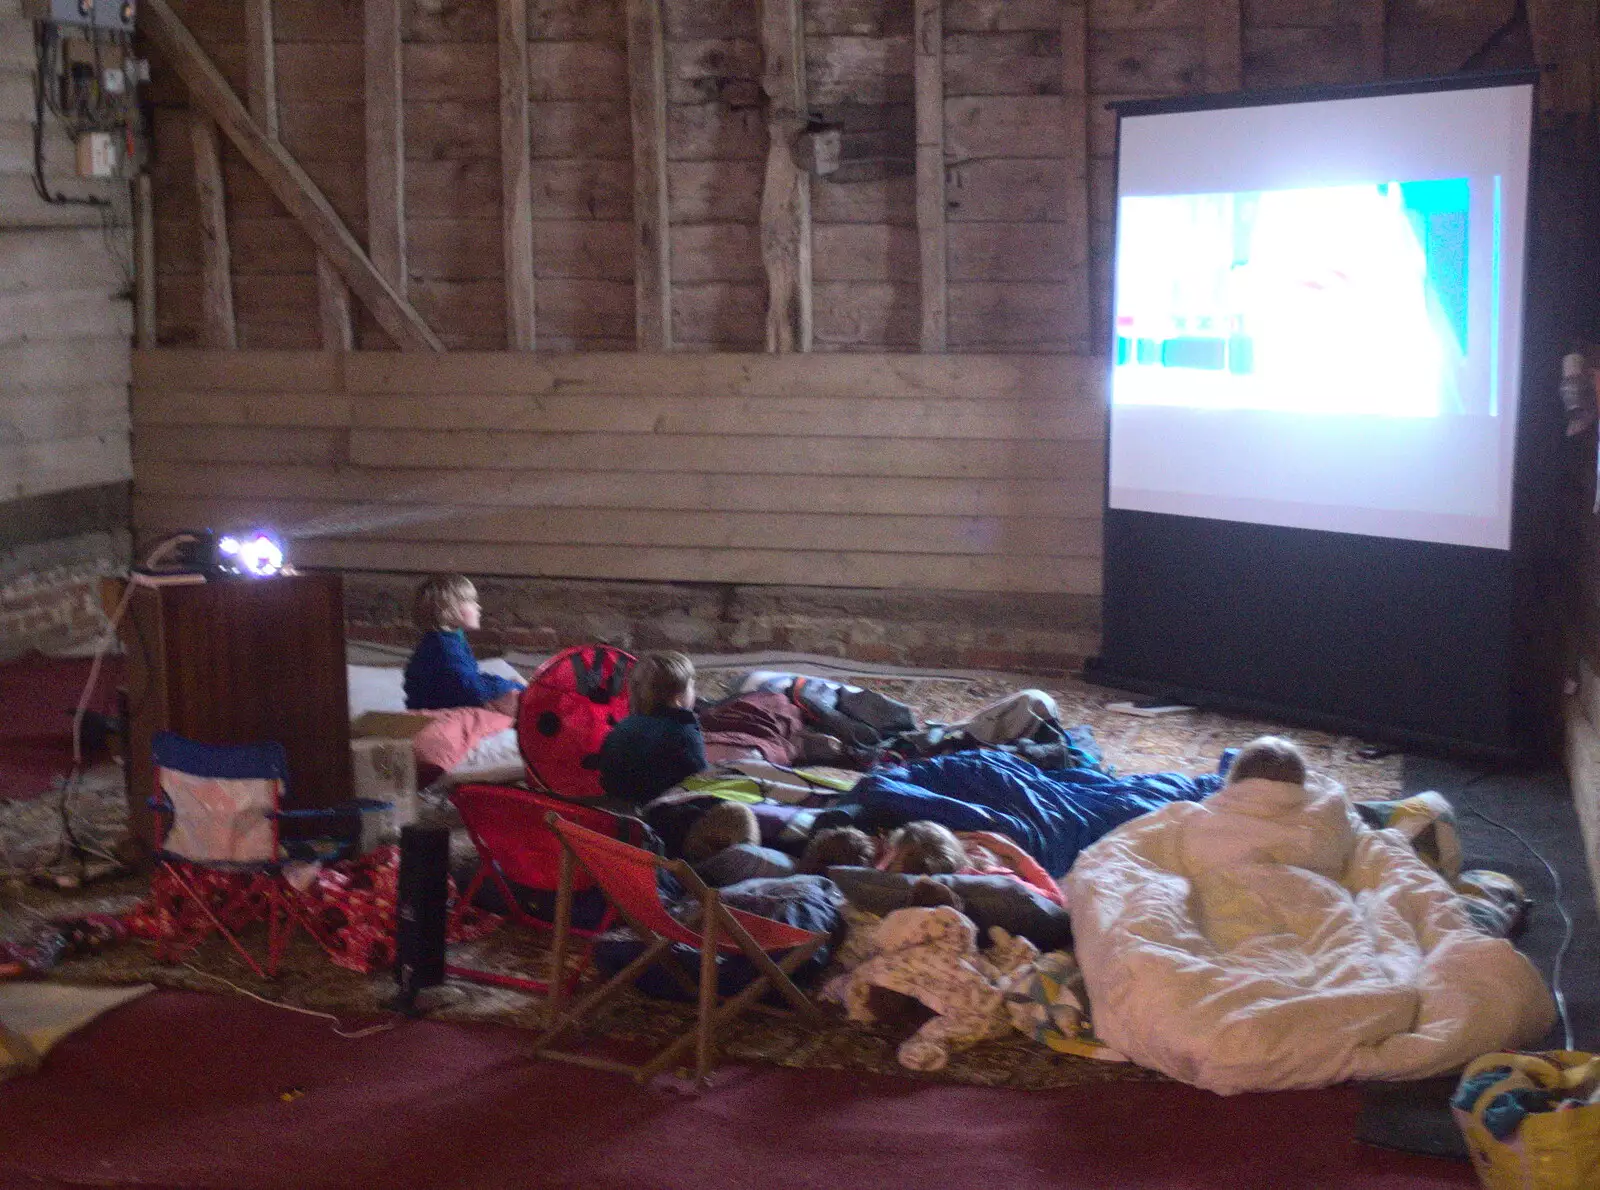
[(1191, 742)]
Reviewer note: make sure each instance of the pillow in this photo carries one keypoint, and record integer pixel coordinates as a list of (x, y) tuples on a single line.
[(987, 900)]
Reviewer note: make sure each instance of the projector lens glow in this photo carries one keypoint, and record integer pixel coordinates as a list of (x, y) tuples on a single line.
[(257, 554), (261, 556)]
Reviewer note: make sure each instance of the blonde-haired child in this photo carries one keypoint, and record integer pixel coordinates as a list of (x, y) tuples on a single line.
[(660, 742), (1270, 757), (442, 672)]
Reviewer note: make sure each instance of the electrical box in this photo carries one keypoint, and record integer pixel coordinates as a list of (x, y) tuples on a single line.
[(97, 155), (98, 14)]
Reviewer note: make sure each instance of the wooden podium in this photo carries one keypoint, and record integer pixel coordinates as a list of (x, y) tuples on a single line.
[(240, 661)]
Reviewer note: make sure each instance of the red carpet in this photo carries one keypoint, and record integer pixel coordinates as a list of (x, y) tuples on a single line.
[(192, 1091), (37, 697)]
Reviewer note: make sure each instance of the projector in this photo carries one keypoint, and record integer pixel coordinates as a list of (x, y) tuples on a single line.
[(197, 556)]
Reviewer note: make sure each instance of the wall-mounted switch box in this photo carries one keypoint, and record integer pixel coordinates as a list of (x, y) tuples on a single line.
[(97, 155), (99, 14)]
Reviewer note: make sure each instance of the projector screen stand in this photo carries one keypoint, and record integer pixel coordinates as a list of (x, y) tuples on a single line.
[(1096, 674)]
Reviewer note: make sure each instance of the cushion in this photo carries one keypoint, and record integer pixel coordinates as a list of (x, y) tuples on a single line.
[(988, 900)]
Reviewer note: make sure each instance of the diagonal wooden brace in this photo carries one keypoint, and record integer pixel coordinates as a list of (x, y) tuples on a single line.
[(288, 182)]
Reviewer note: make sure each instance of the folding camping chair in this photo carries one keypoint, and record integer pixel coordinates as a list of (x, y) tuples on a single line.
[(627, 876), (217, 815), (518, 853)]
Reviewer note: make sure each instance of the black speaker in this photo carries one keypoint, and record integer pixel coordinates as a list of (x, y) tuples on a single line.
[(423, 893)]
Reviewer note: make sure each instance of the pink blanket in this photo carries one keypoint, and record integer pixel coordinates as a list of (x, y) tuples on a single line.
[(445, 742)]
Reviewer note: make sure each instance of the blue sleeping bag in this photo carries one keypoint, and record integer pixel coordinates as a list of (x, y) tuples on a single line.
[(1051, 815)]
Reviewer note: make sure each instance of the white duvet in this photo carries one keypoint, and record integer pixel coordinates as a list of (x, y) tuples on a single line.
[(1264, 939)]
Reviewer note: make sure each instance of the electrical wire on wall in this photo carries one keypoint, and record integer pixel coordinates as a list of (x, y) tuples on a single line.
[(89, 92)]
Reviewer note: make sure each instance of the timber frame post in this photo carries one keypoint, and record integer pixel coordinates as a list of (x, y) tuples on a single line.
[(516, 176), (216, 261), (1083, 317), (1224, 45), (386, 147), (652, 256), (786, 191), (928, 66)]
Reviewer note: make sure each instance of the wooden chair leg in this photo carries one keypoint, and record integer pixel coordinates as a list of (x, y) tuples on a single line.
[(601, 994), (708, 991), (778, 974), (558, 947)]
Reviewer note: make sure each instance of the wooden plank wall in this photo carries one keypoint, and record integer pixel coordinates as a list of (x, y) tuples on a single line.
[(975, 473), (1020, 78), (65, 316)]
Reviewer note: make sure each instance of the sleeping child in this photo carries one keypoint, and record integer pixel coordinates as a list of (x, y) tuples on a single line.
[(724, 847), (442, 672)]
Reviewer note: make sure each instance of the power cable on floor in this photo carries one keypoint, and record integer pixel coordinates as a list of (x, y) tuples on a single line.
[(1568, 928), (369, 1031)]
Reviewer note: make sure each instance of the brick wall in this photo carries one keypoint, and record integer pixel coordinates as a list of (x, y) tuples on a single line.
[(965, 630), (49, 591)]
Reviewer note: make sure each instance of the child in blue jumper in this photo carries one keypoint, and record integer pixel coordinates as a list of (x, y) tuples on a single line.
[(442, 672), (659, 743)]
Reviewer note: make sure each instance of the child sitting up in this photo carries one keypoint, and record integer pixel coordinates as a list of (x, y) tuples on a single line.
[(724, 847), (659, 743), (442, 672)]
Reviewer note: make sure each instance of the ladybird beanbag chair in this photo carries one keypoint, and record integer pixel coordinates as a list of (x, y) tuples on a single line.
[(572, 701)]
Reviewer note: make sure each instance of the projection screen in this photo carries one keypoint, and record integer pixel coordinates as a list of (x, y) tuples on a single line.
[(1318, 312), (1315, 436)]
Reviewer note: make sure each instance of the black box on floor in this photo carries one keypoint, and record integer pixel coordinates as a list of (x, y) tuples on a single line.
[(422, 898)]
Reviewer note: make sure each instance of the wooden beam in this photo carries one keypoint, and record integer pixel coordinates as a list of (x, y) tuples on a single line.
[(647, 90), (333, 308), (216, 266), (786, 192), (1563, 34), (386, 150), (928, 68), (144, 262), (261, 57), (262, 63), (1372, 19), (288, 182), (1224, 46), (516, 181), (1085, 312)]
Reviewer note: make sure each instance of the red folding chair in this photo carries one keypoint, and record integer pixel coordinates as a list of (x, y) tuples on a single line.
[(627, 876), (516, 848)]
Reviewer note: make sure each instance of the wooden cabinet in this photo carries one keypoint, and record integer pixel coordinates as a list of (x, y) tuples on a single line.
[(241, 661)]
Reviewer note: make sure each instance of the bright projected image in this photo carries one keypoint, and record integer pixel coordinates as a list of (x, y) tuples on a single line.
[(1336, 299), (1318, 311)]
